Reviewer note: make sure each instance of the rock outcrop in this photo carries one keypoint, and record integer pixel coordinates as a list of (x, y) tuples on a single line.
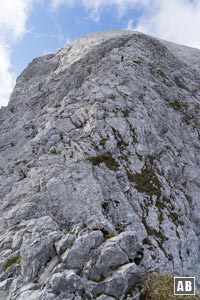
[(99, 170)]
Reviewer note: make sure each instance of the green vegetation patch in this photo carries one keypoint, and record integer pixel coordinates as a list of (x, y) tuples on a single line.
[(103, 142), (175, 218), (99, 280), (134, 135), (121, 144), (159, 236), (125, 113), (179, 106), (146, 182), (188, 118), (112, 96), (104, 158), (137, 62), (161, 74), (131, 176), (165, 79), (161, 287), (68, 232), (11, 262), (134, 290), (109, 235)]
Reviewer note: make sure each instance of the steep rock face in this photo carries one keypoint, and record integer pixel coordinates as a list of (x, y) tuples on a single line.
[(99, 169)]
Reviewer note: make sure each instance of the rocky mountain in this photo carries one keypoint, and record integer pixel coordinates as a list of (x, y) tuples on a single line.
[(100, 170)]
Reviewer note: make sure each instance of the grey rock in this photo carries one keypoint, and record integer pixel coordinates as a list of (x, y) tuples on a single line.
[(120, 283), (66, 283), (110, 258), (64, 243), (45, 273), (114, 253), (105, 297), (99, 169), (4, 288), (78, 255)]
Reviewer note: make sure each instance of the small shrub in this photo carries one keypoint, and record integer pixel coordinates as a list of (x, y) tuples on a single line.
[(133, 291), (131, 176), (179, 106), (121, 144), (104, 158), (146, 182), (134, 135), (109, 236), (161, 287), (188, 118), (146, 241), (125, 113), (11, 262), (68, 232), (112, 97), (161, 73), (175, 218), (137, 62), (102, 142)]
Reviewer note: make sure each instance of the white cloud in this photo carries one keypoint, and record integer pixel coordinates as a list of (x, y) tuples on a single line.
[(56, 3), (13, 17), (6, 77), (174, 20), (130, 25), (95, 7)]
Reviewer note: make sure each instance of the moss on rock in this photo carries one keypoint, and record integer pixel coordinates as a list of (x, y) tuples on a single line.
[(161, 287), (146, 181), (11, 262), (104, 158)]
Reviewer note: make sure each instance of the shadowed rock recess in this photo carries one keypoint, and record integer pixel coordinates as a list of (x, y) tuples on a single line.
[(100, 170)]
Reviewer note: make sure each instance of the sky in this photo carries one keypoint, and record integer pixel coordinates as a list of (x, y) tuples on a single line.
[(31, 28)]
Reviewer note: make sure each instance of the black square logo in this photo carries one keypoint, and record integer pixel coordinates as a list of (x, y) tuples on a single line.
[(184, 285)]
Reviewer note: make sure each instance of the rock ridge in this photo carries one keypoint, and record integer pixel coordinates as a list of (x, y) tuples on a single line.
[(99, 170)]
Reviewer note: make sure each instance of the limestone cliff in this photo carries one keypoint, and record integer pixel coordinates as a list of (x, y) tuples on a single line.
[(100, 170)]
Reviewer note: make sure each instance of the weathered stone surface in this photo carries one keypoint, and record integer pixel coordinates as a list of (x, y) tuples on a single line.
[(4, 288), (99, 169), (64, 243), (79, 254), (66, 283), (115, 252), (120, 283), (104, 297), (111, 257)]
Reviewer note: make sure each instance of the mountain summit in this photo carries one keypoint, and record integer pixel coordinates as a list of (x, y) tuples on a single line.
[(99, 170)]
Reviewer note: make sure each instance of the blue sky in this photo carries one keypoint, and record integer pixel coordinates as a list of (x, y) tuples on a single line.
[(49, 31), (31, 28)]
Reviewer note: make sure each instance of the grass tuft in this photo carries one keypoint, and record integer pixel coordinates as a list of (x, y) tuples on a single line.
[(146, 182), (109, 236), (179, 106), (11, 262), (104, 158), (161, 287)]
